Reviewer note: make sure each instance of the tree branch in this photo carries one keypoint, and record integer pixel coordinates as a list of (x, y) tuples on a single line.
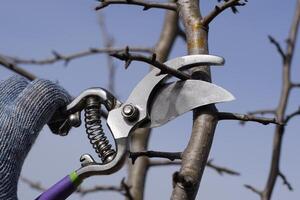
[(146, 4), (220, 170), (253, 189), (278, 47), (290, 116), (220, 8), (13, 67), (282, 106), (285, 181), (155, 154), (263, 112), (67, 58), (128, 58), (243, 117)]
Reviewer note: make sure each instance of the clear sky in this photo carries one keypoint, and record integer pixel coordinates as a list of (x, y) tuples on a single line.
[(33, 28)]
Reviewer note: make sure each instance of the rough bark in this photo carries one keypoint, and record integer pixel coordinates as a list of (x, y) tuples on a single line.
[(187, 180)]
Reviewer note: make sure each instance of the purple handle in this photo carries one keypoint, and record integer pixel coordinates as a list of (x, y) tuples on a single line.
[(60, 191)]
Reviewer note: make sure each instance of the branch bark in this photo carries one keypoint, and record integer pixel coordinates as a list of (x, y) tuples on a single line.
[(67, 58), (186, 182), (246, 118), (13, 67), (146, 4), (138, 171), (274, 171)]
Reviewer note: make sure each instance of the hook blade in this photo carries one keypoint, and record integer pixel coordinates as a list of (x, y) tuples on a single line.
[(177, 98)]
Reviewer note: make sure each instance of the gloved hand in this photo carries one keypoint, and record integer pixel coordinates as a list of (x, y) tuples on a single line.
[(25, 107)]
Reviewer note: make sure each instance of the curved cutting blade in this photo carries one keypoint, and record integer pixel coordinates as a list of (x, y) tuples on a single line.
[(174, 99)]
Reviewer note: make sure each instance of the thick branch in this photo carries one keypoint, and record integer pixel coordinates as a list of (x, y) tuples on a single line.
[(146, 4), (13, 67), (128, 58), (243, 117), (67, 58), (186, 182), (220, 8)]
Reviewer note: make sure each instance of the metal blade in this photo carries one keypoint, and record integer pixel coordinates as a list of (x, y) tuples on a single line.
[(174, 99)]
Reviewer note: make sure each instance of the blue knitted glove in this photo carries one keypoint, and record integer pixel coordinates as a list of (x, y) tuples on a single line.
[(25, 107)]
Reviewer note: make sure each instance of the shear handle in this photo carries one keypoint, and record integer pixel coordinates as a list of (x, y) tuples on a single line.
[(91, 168)]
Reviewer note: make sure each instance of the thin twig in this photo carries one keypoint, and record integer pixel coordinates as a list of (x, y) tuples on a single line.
[(146, 4), (253, 189), (285, 181), (128, 57), (220, 8), (263, 112), (290, 116), (243, 117), (67, 58), (13, 67), (278, 47), (221, 170)]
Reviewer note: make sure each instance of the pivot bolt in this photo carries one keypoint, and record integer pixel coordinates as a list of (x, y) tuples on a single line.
[(130, 112)]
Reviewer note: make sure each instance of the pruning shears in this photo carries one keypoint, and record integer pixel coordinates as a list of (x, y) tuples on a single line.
[(152, 103)]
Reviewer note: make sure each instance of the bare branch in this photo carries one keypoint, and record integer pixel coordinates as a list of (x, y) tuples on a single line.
[(13, 67), (128, 57), (220, 8), (282, 106), (263, 112), (67, 58), (278, 47), (155, 154), (146, 4), (160, 163), (253, 189), (285, 181), (290, 116), (295, 85), (221, 170), (243, 117)]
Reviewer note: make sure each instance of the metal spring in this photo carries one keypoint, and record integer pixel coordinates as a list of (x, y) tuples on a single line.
[(95, 131)]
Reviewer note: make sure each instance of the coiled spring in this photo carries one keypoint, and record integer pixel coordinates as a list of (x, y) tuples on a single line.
[(95, 131)]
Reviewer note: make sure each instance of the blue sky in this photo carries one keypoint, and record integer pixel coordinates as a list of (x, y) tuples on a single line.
[(32, 29)]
